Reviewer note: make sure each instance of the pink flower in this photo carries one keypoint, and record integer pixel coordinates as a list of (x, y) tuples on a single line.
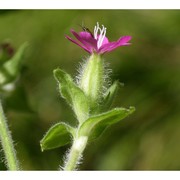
[(98, 42)]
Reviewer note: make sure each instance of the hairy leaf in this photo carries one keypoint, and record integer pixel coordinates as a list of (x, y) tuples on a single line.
[(73, 94), (95, 125), (58, 135), (110, 94)]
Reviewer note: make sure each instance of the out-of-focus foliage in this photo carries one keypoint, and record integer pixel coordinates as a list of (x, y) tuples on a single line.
[(10, 66), (149, 68)]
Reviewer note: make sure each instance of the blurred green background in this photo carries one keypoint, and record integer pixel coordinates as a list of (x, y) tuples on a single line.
[(149, 139)]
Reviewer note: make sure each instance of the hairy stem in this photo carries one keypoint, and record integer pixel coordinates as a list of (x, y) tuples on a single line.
[(7, 143), (75, 153)]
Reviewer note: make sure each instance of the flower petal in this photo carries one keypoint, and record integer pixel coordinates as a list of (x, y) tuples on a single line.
[(84, 38), (105, 41), (123, 41), (75, 42)]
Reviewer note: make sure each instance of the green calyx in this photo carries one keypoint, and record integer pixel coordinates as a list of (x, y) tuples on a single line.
[(92, 79)]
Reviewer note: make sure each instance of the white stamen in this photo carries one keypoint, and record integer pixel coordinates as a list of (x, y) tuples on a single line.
[(100, 37), (96, 28), (102, 34)]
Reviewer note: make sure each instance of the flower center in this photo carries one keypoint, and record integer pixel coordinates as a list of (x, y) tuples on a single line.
[(102, 33)]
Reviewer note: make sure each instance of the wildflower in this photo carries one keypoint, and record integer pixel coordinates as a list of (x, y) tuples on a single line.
[(90, 97), (97, 42)]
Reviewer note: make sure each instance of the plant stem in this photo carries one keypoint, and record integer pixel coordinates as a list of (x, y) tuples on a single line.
[(7, 143), (75, 153)]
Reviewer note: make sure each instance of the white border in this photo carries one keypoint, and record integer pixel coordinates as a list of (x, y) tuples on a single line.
[(89, 175), (89, 4)]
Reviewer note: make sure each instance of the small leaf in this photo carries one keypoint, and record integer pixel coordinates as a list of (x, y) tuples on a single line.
[(58, 135), (6, 52), (11, 69), (95, 125), (14, 64), (73, 94), (110, 94)]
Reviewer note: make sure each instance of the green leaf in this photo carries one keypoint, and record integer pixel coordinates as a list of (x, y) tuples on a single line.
[(110, 94), (58, 135), (6, 52), (73, 94), (11, 69), (95, 125), (14, 64)]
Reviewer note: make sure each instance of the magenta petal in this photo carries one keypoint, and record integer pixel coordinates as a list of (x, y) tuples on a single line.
[(123, 41), (107, 47), (87, 44), (88, 38), (105, 41), (75, 42)]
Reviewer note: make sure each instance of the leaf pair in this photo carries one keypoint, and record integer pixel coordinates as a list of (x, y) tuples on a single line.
[(91, 126), (61, 133)]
